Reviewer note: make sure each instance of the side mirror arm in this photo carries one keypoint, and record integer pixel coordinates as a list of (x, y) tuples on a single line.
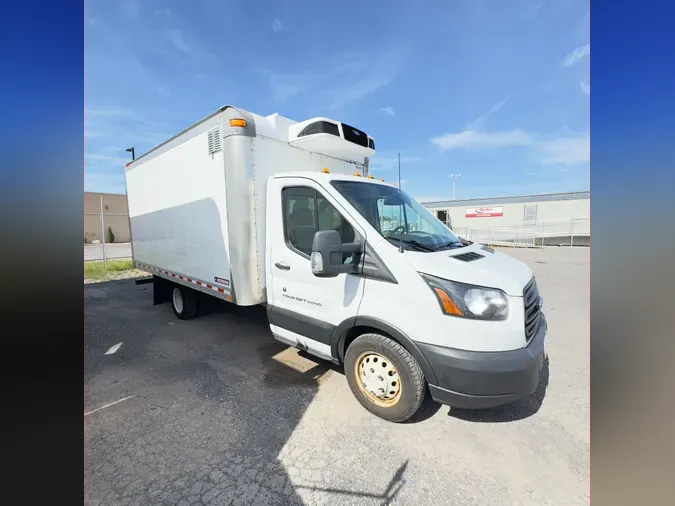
[(351, 247)]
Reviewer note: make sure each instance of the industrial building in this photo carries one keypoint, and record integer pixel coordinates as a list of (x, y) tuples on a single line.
[(543, 219), (112, 209)]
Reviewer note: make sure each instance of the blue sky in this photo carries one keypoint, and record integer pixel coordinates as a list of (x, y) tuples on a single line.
[(495, 90)]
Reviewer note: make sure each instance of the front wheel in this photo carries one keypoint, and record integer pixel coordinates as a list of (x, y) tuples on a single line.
[(384, 377)]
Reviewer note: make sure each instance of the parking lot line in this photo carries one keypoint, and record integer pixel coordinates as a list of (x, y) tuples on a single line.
[(113, 349), (107, 405)]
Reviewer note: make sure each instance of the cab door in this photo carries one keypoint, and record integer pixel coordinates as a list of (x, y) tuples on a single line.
[(303, 309)]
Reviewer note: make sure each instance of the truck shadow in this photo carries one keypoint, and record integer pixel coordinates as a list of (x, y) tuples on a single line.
[(518, 410), (215, 409), (279, 373)]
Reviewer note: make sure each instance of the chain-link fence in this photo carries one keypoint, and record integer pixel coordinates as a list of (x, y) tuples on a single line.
[(106, 235)]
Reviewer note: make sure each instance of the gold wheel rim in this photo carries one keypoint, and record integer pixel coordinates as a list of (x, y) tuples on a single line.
[(378, 379)]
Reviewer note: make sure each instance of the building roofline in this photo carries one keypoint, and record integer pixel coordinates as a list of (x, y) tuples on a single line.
[(537, 197), (107, 193)]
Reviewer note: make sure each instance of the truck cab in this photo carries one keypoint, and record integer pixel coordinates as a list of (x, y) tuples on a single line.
[(360, 273)]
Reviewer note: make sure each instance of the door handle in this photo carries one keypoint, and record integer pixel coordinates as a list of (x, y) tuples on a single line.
[(282, 266)]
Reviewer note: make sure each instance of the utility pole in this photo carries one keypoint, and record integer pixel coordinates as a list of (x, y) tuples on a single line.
[(454, 178), (399, 170), (105, 259)]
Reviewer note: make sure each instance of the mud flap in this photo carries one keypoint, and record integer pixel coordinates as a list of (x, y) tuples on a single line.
[(161, 290)]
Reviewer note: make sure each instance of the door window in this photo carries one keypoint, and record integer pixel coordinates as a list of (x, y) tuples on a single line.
[(305, 212)]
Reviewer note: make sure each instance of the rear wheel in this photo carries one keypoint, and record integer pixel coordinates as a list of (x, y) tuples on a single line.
[(185, 302), (384, 377)]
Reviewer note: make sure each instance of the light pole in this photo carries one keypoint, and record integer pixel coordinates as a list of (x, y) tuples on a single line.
[(454, 178), (131, 239)]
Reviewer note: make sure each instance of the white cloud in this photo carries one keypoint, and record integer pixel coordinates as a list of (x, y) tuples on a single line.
[(478, 122), (540, 6), (474, 140), (576, 56), (132, 8), (285, 86), (336, 82), (277, 26), (379, 162), (358, 90), (92, 134), (178, 41), (110, 130), (388, 110), (566, 150), (585, 87), (107, 112), (571, 149)]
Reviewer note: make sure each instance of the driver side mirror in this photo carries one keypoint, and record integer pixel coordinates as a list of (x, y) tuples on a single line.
[(327, 254)]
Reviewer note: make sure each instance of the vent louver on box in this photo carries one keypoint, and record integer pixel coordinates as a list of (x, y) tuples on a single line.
[(214, 141), (468, 257)]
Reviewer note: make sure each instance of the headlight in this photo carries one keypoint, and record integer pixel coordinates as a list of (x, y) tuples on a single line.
[(468, 301)]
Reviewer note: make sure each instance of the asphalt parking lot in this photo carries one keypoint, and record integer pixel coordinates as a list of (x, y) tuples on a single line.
[(213, 411)]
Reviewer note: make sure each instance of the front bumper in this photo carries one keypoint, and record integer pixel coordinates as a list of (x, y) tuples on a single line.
[(476, 380)]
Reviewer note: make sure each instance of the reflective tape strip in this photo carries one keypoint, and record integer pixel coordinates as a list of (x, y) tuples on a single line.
[(150, 268)]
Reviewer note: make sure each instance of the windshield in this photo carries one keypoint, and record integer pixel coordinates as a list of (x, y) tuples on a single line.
[(397, 217)]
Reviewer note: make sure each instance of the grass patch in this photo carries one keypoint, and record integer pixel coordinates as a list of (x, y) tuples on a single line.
[(95, 270)]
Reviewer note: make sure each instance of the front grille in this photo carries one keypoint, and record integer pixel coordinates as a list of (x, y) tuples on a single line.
[(355, 135), (468, 257), (532, 309)]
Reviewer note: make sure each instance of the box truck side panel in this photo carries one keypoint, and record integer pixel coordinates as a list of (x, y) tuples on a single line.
[(177, 207), (271, 157)]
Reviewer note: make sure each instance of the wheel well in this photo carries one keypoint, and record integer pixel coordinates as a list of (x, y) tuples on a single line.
[(357, 331)]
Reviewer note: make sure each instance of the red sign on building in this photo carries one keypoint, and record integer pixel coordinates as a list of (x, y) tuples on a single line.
[(483, 212)]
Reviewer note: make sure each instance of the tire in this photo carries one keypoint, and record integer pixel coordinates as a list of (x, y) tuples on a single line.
[(184, 302), (411, 383)]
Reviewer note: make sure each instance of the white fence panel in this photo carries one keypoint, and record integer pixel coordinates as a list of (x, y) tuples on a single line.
[(522, 237), (576, 232)]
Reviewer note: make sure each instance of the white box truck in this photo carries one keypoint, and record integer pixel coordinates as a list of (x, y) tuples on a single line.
[(263, 210)]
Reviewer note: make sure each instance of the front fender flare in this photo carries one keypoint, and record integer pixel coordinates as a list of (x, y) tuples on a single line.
[(340, 333)]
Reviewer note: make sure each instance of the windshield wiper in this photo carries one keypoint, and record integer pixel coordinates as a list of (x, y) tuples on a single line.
[(452, 245), (414, 243)]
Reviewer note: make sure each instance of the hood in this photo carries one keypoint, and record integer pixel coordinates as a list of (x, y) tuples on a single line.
[(494, 270)]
